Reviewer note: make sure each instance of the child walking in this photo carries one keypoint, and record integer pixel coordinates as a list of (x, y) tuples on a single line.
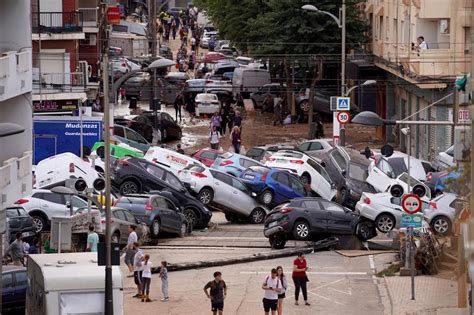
[(146, 276), (164, 281)]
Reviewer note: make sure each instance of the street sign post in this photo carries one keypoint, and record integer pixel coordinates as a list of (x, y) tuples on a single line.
[(412, 220), (343, 117), (343, 104), (411, 203)]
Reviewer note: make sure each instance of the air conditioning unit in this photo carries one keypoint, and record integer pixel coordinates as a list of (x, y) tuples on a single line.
[(89, 40), (84, 69)]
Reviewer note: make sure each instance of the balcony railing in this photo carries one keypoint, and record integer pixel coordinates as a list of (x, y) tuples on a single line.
[(90, 17), (63, 82), (57, 22)]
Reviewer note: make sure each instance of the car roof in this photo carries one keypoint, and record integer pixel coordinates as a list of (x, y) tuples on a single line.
[(354, 155), (8, 269)]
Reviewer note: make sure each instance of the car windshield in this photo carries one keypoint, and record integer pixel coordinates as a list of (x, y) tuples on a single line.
[(404, 178), (254, 152), (226, 155), (174, 182), (133, 200), (358, 172), (290, 154), (195, 168), (398, 165), (259, 169)]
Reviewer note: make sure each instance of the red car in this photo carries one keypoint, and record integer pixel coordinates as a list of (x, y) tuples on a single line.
[(206, 156)]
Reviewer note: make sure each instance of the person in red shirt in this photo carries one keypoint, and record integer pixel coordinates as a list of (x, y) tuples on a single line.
[(300, 278)]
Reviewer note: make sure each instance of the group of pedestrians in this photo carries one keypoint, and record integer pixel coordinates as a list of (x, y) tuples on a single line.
[(275, 286), (18, 250), (220, 121), (140, 264)]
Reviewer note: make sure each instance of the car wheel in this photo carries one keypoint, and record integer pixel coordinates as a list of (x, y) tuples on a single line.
[(257, 216), (183, 230), (266, 197), (277, 241), (441, 225), (40, 223), (304, 106), (231, 218), (364, 232), (301, 230), (155, 228), (115, 238), (385, 223), (129, 187), (206, 195), (306, 179), (191, 216)]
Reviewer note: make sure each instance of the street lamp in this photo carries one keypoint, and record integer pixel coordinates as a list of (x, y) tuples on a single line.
[(368, 82), (341, 23), (369, 118)]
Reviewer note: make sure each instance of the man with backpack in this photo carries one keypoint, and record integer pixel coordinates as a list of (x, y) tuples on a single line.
[(272, 286), (217, 293)]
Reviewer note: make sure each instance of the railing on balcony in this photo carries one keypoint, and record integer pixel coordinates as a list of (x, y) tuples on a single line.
[(4, 66), (90, 16), (64, 82), (57, 22)]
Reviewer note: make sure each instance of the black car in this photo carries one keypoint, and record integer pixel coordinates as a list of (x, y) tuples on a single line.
[(160, 213), (14, 285), (312, 219), (20, 221), (135, 175), (162, 121), (166, 52), (348, 169)]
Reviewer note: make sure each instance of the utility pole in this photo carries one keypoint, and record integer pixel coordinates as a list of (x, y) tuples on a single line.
[(109, 304), (152, 34), (342, 132)]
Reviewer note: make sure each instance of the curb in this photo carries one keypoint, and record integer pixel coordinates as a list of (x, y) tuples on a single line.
[(236, 260)]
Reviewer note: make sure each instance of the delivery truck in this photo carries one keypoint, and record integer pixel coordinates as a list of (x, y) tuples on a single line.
[(53, 135), (70, 283)]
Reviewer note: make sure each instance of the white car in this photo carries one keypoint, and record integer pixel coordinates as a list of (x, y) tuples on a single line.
[(244, 61), (307, 168), (43, 204), (55, 170), (169, 159), (317, 147), (218, 83), (207, 103), (384, 209), (444, 159), (206, 36), (228, 193), (441, 212), (383, 171)]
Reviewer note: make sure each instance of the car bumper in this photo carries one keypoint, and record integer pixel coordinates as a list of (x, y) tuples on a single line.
[(366, 211), (207, 109), (273, 230)]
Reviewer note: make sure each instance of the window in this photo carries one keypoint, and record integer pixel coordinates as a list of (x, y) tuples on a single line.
[(385, 167), (12, 213), (330, 206), (21, 278), (358, 172), (120, 215), (381, 28), (396, 201), (315, 146), (131, 135), (222, 177), (7, 280), (304, 146), (155, 171), (238, 185), (395, 31), (247, 163), (78, 202), (338, 160), (312, 204), (282, 178), (129, 217), (173, 181), (118, 131), (55, 198), (318, 168), (255, 153), (296, 185)]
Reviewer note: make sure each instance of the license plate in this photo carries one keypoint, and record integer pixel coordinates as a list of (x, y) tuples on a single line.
[(282, 161), (249, 176), (272, 224), (25, 234)]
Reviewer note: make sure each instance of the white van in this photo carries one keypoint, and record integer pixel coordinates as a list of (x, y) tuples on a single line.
[(170, 159), (248, 80), (54, 170), (70, 283)]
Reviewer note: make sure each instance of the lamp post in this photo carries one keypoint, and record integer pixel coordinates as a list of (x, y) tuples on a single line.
[(341, 23)]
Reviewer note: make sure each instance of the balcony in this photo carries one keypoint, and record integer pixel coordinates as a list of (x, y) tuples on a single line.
[(58, 82), (15, 179), (15, 73), (436, 63), (90, 17), (57, 25)]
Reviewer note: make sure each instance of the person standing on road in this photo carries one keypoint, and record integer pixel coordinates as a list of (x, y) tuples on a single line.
[(238, 120), (272, 286), (230, 118), (191, 107), (179, 149), (16, 250), (146, 277), (214, 138), (164, 281), (224, 117), (130, 251), (178, 103), (217, 293), (300, 278), (216, 121), (284, 286), (138, 269), (236, 141), (92, 240)]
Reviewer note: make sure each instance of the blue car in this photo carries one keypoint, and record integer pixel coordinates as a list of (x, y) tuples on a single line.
[(273, 186), (15, 283), (234, 164), (437, 181)]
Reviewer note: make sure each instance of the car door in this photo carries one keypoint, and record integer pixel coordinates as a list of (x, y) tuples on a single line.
[(160, 205), (8, 291), (246, 163), (315, 146), (241, 193), (135, 140), (339, 221), (223, 189), (282, 187), (323, 182), (381, 176), (20, 286), (55, 205), (171, 127), (396, 205), (154, 178), (174, 216), (119, 133), (122, 225), (316, 215)]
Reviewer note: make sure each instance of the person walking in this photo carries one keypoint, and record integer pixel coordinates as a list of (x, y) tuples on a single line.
[(214, 138), (277, 110), (92, 240), (178, 103), (138, 269), (173, 29), (300, 278), (217, 293), (191, 108), (272, 286), (130, 251), (216, 121), (146, 277), (164, 281), (179, 149), (284, 286), (34, 246), (224, 118), (230, 119), (16, 250), (238, 120), (236, 141)]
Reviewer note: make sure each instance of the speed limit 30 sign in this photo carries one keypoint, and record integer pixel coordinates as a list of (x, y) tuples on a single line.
[(343, 117), (411, 203)]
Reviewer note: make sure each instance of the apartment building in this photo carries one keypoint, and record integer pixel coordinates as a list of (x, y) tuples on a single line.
[(15, 101), (417, 77)]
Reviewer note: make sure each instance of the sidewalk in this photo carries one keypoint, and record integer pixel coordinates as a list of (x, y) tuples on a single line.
[(432, 296)]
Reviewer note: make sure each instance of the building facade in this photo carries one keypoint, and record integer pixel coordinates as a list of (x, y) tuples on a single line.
[(417, 77)]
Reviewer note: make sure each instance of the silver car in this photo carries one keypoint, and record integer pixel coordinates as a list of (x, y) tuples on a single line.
[(43, 204), (317, 147), (441, 212)]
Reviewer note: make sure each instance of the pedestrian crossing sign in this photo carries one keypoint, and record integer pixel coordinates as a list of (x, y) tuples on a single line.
[(343, 103)]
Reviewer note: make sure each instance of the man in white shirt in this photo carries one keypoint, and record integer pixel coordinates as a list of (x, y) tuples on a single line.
[(421, 43), (272, 286), (138, 269), (130, 251)]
